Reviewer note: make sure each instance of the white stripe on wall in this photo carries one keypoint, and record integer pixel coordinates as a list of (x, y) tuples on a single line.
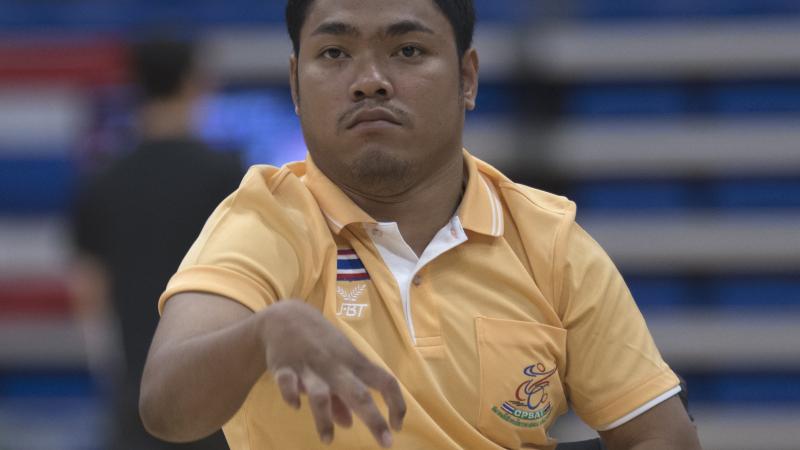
[(262, 53), (42, 343), (248, 54), (567, 51), (39, 121), (32, 247), (648, 49), (707, 242), (711, 339), (665, 148)]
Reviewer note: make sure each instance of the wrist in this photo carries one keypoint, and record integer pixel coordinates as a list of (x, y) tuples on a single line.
[(260, 328)]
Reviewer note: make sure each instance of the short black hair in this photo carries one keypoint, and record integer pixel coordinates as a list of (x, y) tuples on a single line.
[(460, 13), (161, 66)]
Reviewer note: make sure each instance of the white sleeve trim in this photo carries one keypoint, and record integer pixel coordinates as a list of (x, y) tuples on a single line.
[(642, 409)]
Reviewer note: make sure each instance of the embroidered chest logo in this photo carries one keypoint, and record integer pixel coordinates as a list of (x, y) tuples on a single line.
[(531, 405), (349, 270)]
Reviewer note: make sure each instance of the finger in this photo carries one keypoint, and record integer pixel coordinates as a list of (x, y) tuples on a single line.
[(341, 412), (287, 382), (382, 381), (357, 396), (319, 399)]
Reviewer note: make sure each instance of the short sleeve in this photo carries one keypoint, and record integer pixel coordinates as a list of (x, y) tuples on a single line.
[(613, 365), (250, 250)]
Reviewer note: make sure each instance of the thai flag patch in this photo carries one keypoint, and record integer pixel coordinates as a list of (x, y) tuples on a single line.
[(349, 266)]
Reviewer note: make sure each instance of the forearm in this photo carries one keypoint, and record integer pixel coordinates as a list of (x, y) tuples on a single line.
[(190, 389)]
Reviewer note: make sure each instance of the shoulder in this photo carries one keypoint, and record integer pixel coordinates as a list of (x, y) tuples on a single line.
[(537, 225), (278, 196), (528, 205), (271, 181), (544, 222), (536, 201), (270, 228), (262, 186), (271, 212)]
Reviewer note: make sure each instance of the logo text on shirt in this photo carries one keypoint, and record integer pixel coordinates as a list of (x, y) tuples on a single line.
[(349, 308), (531, 404)]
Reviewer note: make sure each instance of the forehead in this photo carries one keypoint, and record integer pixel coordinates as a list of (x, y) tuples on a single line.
[(372, 16)]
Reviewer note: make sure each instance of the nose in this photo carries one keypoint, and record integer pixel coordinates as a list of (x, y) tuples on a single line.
[(371, 82)]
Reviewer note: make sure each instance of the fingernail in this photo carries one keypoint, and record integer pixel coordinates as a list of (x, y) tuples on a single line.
[(327, 438), (386, 439)]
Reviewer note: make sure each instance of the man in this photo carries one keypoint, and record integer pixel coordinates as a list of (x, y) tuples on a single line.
[(392, 262), (135, 220)]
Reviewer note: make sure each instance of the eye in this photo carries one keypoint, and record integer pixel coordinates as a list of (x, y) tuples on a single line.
[(333, 53), (410, 51)]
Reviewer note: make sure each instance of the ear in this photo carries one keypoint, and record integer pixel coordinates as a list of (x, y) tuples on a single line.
[(293, 83), (469, 75)]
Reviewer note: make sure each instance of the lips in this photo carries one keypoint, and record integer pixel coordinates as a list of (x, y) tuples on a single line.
[(373, 115)]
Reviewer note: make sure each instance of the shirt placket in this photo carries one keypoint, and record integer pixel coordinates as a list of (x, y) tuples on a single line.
[(406, 267)]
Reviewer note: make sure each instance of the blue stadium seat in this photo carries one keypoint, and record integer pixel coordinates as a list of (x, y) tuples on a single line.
[(626, 100), (735, 293), (635, 195), (35, 185), (751, 385), (675, 195), (765, 293), (778, 192), (755, 97)]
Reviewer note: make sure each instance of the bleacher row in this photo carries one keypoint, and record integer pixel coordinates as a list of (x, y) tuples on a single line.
[(132, 14), (675, 125)]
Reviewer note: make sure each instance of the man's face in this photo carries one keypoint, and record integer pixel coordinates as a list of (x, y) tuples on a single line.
[(381, 91)]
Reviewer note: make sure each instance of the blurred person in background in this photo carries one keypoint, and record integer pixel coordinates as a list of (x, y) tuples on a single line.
[(135, 220)]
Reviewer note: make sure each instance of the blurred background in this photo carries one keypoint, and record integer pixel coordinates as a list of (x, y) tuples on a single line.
[(674, 124)]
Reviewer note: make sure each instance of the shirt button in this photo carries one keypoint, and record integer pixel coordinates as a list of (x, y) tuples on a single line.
[(417, 280), (453, 232), (377, 233)]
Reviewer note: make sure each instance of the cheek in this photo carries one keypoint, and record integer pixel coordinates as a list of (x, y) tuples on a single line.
[(436, 100), (321, 101)]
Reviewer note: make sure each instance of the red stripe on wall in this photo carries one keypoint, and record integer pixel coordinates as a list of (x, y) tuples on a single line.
[(78, 60), (34, 297)]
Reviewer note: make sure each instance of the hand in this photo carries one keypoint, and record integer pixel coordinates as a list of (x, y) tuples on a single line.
[(307, 354)]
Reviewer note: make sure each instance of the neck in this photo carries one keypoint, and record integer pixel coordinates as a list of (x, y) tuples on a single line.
[(424, 209), (166, 119)]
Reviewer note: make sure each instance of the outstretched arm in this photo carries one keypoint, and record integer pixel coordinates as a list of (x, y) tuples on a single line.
[(208, 351)]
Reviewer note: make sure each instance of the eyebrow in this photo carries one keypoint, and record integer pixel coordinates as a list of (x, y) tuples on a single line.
[(406, 27), (396, 29), (337, 29)]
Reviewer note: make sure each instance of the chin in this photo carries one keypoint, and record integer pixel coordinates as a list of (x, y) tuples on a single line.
[(381, 170)]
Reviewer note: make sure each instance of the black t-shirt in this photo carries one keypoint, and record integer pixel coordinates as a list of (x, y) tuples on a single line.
[(139, 218)]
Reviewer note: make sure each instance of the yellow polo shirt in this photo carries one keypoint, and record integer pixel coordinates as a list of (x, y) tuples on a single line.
[(511, 314)]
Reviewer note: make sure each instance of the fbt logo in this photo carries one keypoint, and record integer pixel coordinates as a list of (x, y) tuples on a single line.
[(349, 307)]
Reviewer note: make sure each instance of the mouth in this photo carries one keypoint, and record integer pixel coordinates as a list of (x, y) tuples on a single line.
[(373, 118)]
